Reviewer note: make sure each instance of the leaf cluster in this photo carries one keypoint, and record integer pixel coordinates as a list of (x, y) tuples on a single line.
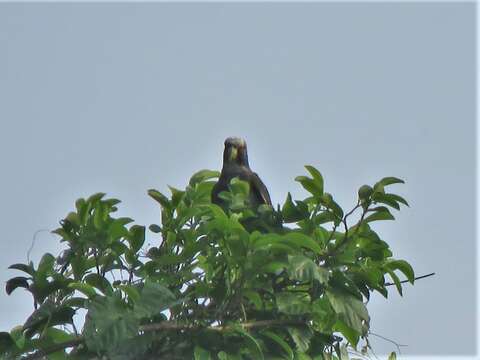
[(223, 283)]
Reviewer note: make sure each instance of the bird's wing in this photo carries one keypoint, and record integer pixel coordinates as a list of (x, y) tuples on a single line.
[(259, 189)]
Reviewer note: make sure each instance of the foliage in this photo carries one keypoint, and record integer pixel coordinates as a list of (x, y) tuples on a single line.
[(234, 283)]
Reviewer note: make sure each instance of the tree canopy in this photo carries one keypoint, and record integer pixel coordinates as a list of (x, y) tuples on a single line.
[(223, 283)]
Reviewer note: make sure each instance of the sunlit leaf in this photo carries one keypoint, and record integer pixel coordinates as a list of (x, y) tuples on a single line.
[(351, 310), (391, 180), (317, 177), (85, 289), (310, 185), (303, 268), (392, 356), (160, 198), (203, 175)]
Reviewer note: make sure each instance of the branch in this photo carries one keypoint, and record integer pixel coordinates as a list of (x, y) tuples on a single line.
[(54, 348), (168, 326), (389, 340), (405, 281), (335, 250)]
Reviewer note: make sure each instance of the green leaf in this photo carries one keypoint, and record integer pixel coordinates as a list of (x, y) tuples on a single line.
[(203, 175), (85, 289), (6, 342), (169, 259), (95, 197), (202, 192), (23, 267), (254, 298), (351, 310), (392, 356), (310, 185), (177, 196), (80, 205), (382, 214), (251, 342), (324, 217), (301, 240), (317, 177), (385, 199), (117, 229), (277, 339), (131, 291), (378, 188), (46, 264), (293, 303), (58, 336), (323, 315), (154, 298), (48, 314), (238, 186), (303, 356), (99, 282), (76, 302), (160, 198), (302, 268), (301, 336), (136, 237), (201, 354), (222, 355), (109, 324), (404, 267), (18, 336), (350, 334), (290, 212), (155, 228), (99, 216), (365, 192), (396, 281), (398, 199), (391, 180), (267, 240), (274, 267)]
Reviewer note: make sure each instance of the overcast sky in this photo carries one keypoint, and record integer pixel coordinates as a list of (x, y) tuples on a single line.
[(121, 98)]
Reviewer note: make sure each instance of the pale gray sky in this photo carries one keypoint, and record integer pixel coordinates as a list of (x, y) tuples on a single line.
[(121, 98)]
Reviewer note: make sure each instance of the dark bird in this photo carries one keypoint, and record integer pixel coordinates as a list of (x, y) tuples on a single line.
[(235, 164)]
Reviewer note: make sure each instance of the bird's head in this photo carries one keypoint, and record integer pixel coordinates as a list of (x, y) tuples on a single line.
[(235, 151)]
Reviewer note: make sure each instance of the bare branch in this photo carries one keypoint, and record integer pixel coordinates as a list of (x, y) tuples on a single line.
[(405, 281)]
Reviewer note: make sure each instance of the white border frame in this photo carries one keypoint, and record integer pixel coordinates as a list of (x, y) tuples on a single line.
[(477, 147)]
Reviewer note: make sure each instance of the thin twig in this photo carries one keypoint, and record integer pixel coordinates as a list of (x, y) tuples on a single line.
[(405, 281), (389, 340), (34, 239)]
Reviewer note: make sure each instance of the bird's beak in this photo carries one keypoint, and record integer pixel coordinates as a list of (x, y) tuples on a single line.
[(233, 153)]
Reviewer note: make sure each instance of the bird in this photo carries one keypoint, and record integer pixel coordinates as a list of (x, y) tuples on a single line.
[(235, 164)]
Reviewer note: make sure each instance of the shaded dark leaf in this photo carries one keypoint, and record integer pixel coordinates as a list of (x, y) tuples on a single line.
[(16, 282), (24, 267)]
